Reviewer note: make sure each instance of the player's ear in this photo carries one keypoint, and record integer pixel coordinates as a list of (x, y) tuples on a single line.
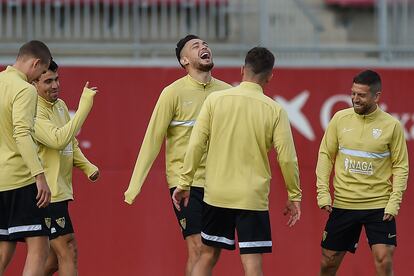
[(269, 77), (377, 96), (184, 61)]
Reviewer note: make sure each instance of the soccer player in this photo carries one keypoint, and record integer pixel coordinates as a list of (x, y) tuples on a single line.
[(239, 126), (23, 188), (59, 152), (173, 117), (367, 147)]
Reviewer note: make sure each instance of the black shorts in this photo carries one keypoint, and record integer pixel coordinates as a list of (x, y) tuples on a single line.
[(20, 217), (253, 229), (189, 218), (343, 229), (61, 223)]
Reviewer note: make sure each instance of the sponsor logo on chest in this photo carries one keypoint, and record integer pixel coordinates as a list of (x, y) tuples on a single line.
[(359, 167)]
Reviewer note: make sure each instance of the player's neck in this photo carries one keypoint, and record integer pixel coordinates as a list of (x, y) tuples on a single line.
[(21, 66), (200, 76), (254, 80)]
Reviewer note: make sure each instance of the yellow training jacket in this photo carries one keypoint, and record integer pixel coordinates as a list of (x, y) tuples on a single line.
[(239, 126), (173, 117), (58, 148), (19, 162), (367, 151)]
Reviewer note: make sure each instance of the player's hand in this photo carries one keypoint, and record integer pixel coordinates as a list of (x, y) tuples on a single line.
[(293, 210), (94, 176), (327, 208), (180, 195), (43, 191), (91, 88), (387, 217)]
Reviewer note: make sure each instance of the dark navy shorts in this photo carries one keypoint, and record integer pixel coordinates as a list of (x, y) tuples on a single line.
[(20, 218), (61, 222), (189, 218), (343, 229), (253, 229)]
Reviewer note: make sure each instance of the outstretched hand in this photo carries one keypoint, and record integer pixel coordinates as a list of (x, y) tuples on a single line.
[(293, 210), (91, 88), (94, 176), (180, 195)]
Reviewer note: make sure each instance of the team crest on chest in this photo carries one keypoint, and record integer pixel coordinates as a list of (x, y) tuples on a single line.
[(376, 133)]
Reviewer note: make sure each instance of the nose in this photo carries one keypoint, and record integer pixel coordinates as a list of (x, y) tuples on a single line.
[(355, 98)]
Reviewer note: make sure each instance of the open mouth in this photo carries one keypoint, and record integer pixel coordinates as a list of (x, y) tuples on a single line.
[(205, 55)]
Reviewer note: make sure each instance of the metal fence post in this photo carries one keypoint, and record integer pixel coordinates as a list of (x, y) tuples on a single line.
[(383, 29), (264, 23)]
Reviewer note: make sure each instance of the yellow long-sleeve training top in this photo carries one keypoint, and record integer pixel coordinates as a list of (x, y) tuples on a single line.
[(173, 117), (367, 151), (58, 147), (19, 162), (239, 126)]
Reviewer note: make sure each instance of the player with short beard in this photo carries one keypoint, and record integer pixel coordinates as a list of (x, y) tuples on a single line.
[(174, 117), (367, 149)]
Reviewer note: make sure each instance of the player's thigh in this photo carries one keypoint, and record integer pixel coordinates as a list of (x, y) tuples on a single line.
[(342, 231), (61, 223), (379, 231), (218, 227), (189, 218), (25, 218), (254, 232)]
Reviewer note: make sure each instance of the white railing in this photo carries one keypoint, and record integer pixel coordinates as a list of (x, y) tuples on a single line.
[(296, 29)]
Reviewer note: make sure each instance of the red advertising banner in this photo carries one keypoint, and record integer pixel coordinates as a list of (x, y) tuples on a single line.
[(144, 239)]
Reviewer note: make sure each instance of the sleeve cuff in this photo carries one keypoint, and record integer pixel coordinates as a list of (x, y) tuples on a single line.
[(184, 187), (129, 201)]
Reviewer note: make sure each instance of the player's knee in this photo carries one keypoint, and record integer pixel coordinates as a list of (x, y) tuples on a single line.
[(210, 254), (72, 249), (51, 268), (194, 247), (328, 265), (69, 251), (4, 260), (383, 262)]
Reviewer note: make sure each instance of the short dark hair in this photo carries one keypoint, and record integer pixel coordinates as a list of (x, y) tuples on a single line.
[(53, 66), (180, 45), (260, 60), (36, 49), (370, 78)]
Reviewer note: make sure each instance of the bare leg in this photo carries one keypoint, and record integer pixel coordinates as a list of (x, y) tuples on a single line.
[(194, 251), (252, 264), (208, 259), (330, 262), (6, 254), (37, 252), (52, 263), (67, 254), (383, 254)]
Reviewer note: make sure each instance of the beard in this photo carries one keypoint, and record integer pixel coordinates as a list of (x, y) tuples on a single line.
[(364, 109), (205, 67)]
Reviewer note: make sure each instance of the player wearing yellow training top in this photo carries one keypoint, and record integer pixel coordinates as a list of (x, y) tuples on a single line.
[(173, 118), (23, 188), (59, 152), (368, 149), (239, 126)]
